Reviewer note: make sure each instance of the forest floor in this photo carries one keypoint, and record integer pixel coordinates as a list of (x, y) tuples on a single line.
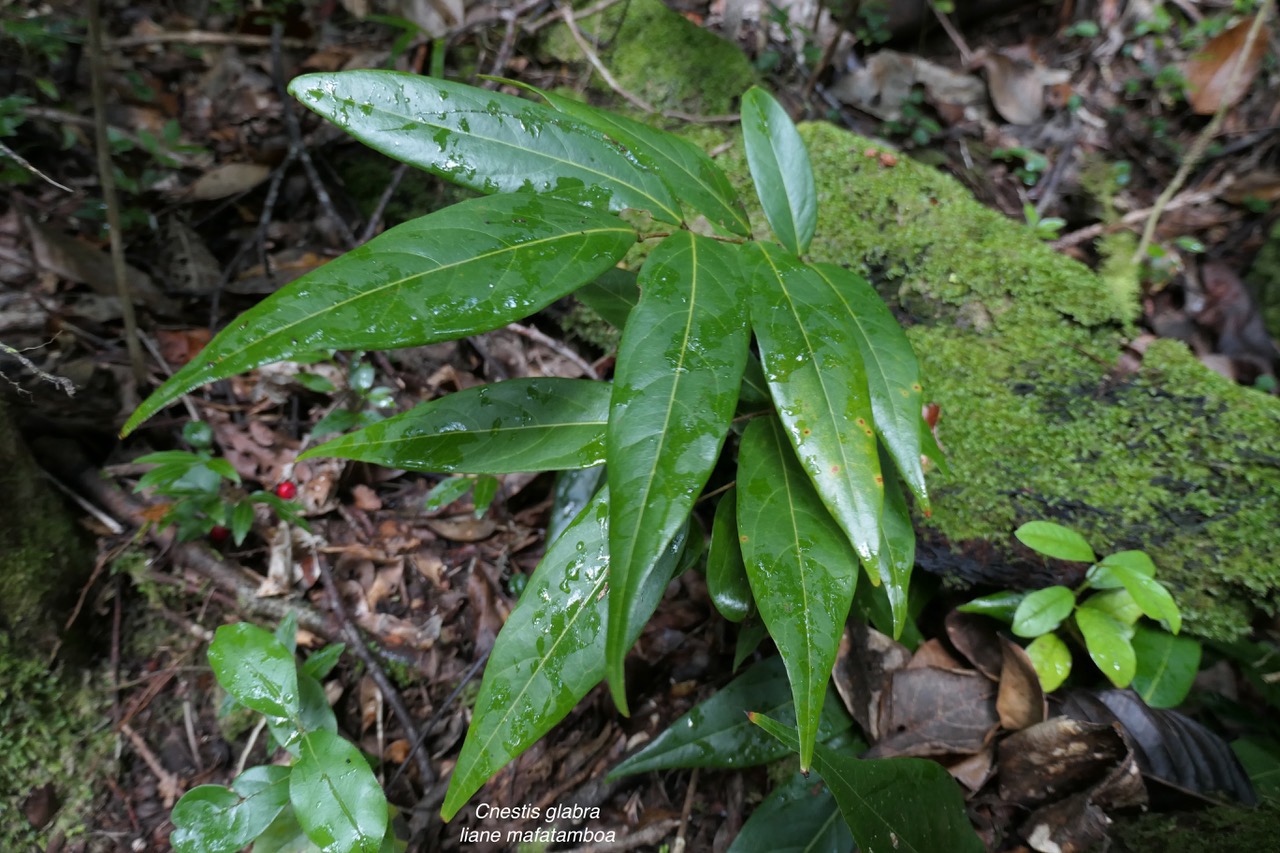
[(1074, 117)]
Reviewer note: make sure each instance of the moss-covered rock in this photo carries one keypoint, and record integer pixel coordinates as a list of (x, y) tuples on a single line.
[(659, 55), (1209, 831), (1019, 345)]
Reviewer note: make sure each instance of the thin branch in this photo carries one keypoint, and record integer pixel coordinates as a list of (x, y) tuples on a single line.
[(556, 347), (63, 117), (23, 162), (108, 180), (566, 11), (201, 37), (375, 218), (61, 382), (1201, 143)]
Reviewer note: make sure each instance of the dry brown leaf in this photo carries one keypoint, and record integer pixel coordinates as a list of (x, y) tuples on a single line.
[(75, 260), (864, 660), (177, 347), (976, 638), (1016, 87), (1021, 701), (936, 712), (370, 703), (1210, 70), (463, 528), (227, 180)]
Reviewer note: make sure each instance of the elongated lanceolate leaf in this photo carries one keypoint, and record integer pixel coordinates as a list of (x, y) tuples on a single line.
[(550, 652), (727, 582), (680, 366), (798, 816), (467, 269), (485, 140), (612, 296), (779, 165), (539, 424), (809, 351), (717, 733), (686, 169), (893, 374), (336, 797), (897, 552), (905, 805), (800, 565)]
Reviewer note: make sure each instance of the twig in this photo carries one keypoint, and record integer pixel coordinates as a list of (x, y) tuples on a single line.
[(556, 347), (679, 845), (966, 55), (169, 785), (61, 382), (375, 218), (1201, 143), (435, 718), (355, 642), (154, 349), (248, 747), (648, 835), (191, 735), (22, 161), (504, 50), (566, 12), (1189, 199), (202, 37), (108, 180), (556, 14), (295, 137)]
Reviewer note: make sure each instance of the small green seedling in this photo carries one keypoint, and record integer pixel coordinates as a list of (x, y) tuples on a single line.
[(201, 504), (1103, 614), (326, 796)]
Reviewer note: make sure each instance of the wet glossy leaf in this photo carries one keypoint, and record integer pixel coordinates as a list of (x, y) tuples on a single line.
[(612, 296), (717, 733), (1137, 561), (531, 424), (446, 492), (212, 819), (779, 164), (1150, 595), (485, 140), (255, 668), (798, 816), (1116, 603), (482, 497), (802, 569), (907, 805), (998, 605), (321, 663), (893, 374), (897, 555), (751, 633), (467, 269), (680, 366), (336, 797), (1054, 540), (1108, 643), (550, 652), (284, 836), (1052, 660), (726, 574), (1043, 610), (686, 169), (573, 491), (815, 373), (1166, 666)]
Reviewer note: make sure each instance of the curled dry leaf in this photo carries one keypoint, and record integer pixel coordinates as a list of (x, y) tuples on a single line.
[(1016, 87), (936, 712), (977, 639), (864, 660), (227, 180), (1021, 701), (1210, 70)]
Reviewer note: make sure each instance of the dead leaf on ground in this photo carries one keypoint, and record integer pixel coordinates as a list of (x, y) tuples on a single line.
[(1056, 758), (1016, 87), (179, 346), (1210, 70), (227, 180), (185, 263), (1021, 701), (936, 712), (864, 660), (462, 528), (74, 260), (885, 83), (977, 639)]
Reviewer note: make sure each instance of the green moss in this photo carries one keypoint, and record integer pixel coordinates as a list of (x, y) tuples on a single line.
[(1265, 277), (46, 736), (662, 57), (1209, 831), (1018, 345)]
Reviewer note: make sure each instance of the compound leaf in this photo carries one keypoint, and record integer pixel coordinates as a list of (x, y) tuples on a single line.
[(530, 424), (467, 269)]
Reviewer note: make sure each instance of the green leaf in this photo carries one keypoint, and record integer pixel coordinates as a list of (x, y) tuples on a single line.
[(469, 268), (1260, 758), (255, 668), (214, 819), (284, 836), (241, 520), (321, 663), (1136, 561), (893, 374), (1051, 659), (446, 492), (1166, 666), (1043, 610), (897, 555), (680, 366), (780, 167), (612, 296), (802, 570), (727, 582), (1149, 594), (1116, 603), (486, 489), (533, 424), (573, 491), (550, 652), (815, 373), (487, 141), (905, 805), (998, 605), (798, 816), (717, 733), (336, 797), (1054, 540), (685, 168), (751, 633), (1108, 643)]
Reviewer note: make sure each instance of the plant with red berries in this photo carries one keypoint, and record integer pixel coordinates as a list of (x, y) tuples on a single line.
[(201, 490)]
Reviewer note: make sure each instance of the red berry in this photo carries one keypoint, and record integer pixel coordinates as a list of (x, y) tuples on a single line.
[(286, 491), (219, 534)]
